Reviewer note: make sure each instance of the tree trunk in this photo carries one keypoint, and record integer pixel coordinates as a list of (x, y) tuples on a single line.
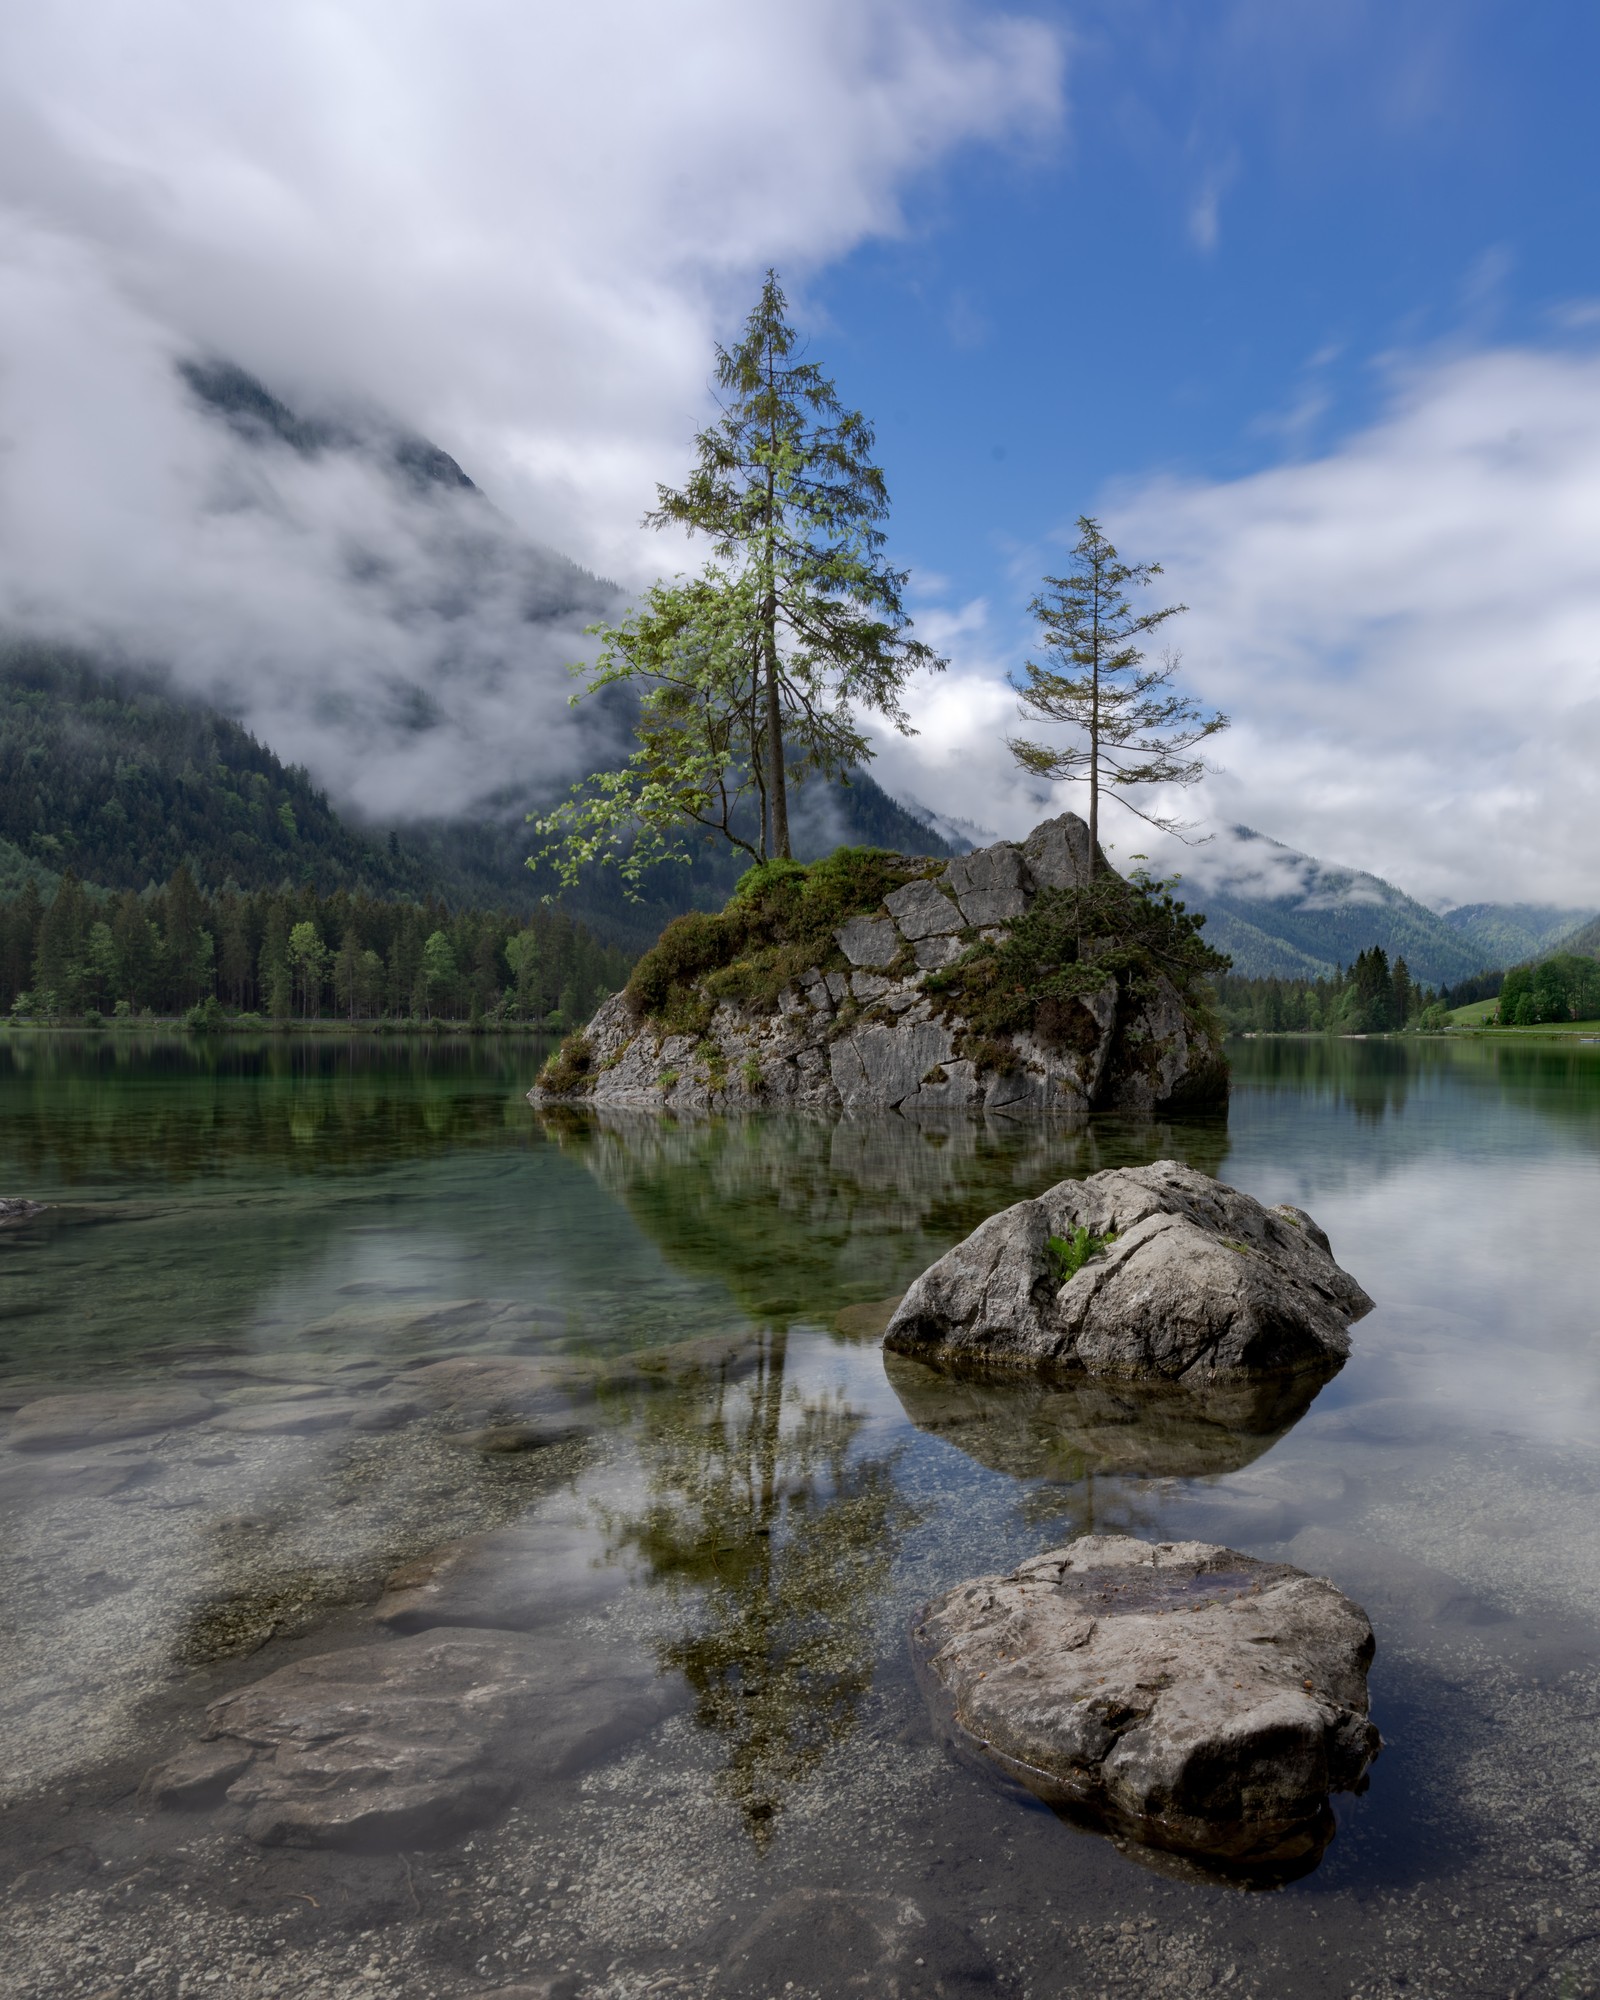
[(1094, 752), (777, 789)]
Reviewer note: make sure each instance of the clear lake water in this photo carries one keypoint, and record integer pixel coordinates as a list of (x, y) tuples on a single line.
[(746, 1509)]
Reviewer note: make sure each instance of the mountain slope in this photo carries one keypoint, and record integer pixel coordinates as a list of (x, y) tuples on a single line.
[(1279, 912), (1510, 933), (1586, 939), (111, 775), (114, 775)]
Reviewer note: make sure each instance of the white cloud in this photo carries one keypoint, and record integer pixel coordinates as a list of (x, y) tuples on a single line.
[(519, 228), (1407, 632)]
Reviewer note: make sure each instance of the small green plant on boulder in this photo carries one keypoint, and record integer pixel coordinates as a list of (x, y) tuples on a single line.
[(1069, 1254)]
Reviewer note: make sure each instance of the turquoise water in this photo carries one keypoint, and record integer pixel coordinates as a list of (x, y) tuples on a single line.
[(759, 1535)]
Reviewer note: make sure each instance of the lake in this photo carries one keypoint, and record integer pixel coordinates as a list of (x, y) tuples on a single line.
[(608, 1399)]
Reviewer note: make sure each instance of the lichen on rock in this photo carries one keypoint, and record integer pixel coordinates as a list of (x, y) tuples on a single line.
[(1013, 980)]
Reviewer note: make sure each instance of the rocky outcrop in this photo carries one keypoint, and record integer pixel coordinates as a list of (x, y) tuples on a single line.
[(861, 1029), (1185, 1280), (1181, 1694)]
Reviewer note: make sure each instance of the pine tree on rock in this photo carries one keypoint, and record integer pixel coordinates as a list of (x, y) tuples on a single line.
[(1135, 729), (798, 625)]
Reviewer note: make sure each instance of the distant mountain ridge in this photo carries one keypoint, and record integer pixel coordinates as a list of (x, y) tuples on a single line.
[(1280, 913), (1512, 933)]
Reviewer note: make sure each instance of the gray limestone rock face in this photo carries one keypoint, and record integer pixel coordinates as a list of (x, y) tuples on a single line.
[(1058, 853), (100, 1416), (1131, 1046), (1196, 1283), (414, 1741), (934, 953), (923, 910), (868, 941), (881, 1065), (991, 885), (1181, 1694)]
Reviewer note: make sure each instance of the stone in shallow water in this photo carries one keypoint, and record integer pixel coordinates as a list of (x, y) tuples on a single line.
[(1183, 1695), (514, 1580), (1201, 1282), (415, 1741), (291, 1419), (99, 1416)]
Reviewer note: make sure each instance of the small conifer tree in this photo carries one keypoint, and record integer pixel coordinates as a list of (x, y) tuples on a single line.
[(1134, 729)]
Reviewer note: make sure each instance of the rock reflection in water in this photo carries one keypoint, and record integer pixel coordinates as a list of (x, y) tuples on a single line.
[(801, 1217), (1068, 1429), (779, 1542)]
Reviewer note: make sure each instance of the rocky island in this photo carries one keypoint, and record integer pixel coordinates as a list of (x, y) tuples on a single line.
[(1018, 979)]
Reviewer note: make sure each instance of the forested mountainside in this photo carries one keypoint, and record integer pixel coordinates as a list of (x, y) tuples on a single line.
[(106, 773), (290, 952), (1510, 933), (103, 772), (1586, 939)]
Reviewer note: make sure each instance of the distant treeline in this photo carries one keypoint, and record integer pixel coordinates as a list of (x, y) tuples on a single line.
[(1565, 987), (293, 954), (1371, 997)]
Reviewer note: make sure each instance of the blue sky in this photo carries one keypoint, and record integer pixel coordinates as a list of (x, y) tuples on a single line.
[(1302, 299), (1250, 211)]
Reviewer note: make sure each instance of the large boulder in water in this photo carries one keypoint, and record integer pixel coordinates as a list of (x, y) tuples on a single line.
[(1180, 1694), (1186, 1279)]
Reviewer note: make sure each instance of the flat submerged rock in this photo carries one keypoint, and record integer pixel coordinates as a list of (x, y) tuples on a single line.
[(409, 1742), (1179, 1694), (101, 1416)]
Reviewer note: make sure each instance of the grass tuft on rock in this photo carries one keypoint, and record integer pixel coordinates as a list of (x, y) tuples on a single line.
[(570, 1071), (778, 923)]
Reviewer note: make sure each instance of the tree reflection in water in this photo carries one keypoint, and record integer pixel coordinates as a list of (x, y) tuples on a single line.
[(780, 1543)]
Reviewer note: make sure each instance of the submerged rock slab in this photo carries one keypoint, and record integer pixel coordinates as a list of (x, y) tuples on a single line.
[(1194, 1281), (414, 1741), (1180, 1694), (101, 1416)]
